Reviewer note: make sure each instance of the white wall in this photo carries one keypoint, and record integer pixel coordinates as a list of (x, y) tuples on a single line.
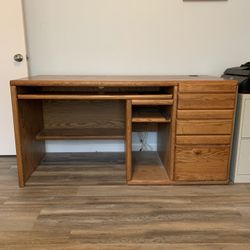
[(136, 36)]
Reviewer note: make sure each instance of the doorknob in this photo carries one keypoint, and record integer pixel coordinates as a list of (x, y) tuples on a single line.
[(18, 58)]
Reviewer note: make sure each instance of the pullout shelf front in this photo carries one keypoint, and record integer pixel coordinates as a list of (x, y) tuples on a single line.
[(58, 96)]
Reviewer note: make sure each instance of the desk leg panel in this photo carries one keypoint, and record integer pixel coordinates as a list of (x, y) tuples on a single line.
[(28, 121), (129, 139)]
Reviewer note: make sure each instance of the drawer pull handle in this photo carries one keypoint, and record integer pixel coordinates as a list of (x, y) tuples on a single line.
[(197, 151)]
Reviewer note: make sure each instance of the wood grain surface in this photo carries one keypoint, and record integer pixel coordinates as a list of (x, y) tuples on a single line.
[(204, 114), (203, 139), (153, 102), (83, 114), (93, 107), (202, 127), (28, 121), (211, 87), (115, 81), (206, 101), (79, 134), (87, 97), (148, 169), (111, 215), (197, 163), (128, 141)]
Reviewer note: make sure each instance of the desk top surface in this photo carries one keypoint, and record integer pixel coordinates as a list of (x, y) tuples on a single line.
[(84, 80)]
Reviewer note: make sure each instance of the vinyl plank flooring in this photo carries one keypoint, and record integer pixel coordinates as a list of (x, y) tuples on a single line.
[(79, 246), (17, 219), (165, 191), (75, 202), (32, 239), (162, 235)]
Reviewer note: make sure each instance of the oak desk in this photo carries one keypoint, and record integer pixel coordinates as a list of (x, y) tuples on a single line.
[(192, 115)]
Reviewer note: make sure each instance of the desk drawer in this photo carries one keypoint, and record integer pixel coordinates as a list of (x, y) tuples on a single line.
[(203, 139), (220, 87), (201, 163), (205, 114), (206, 101), (204, 127)]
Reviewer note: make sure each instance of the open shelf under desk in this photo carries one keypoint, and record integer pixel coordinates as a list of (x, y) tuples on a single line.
[(81, 134), (80, 169), (148, 169)]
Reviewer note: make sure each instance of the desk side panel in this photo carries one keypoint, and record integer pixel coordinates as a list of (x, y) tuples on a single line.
[(28, 121)]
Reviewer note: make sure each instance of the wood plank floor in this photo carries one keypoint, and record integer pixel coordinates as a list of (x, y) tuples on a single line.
[(88, 206)]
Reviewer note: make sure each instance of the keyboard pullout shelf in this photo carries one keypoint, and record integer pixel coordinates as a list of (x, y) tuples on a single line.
[(93, 93), (59, 96)]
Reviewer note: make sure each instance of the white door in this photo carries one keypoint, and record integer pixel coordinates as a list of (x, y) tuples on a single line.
[(12, 42)]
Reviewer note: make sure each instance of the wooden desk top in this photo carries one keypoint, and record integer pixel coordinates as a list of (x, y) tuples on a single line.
[(114, 81)]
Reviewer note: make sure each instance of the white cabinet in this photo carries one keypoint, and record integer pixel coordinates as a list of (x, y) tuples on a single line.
[(246, 117), (240, 166), (244, 158)]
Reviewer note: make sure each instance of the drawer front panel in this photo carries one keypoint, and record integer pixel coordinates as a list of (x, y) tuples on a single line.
[(204, 127), (206, 101), (201, 163), (192, 87), (205, 114), (203, 140)]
